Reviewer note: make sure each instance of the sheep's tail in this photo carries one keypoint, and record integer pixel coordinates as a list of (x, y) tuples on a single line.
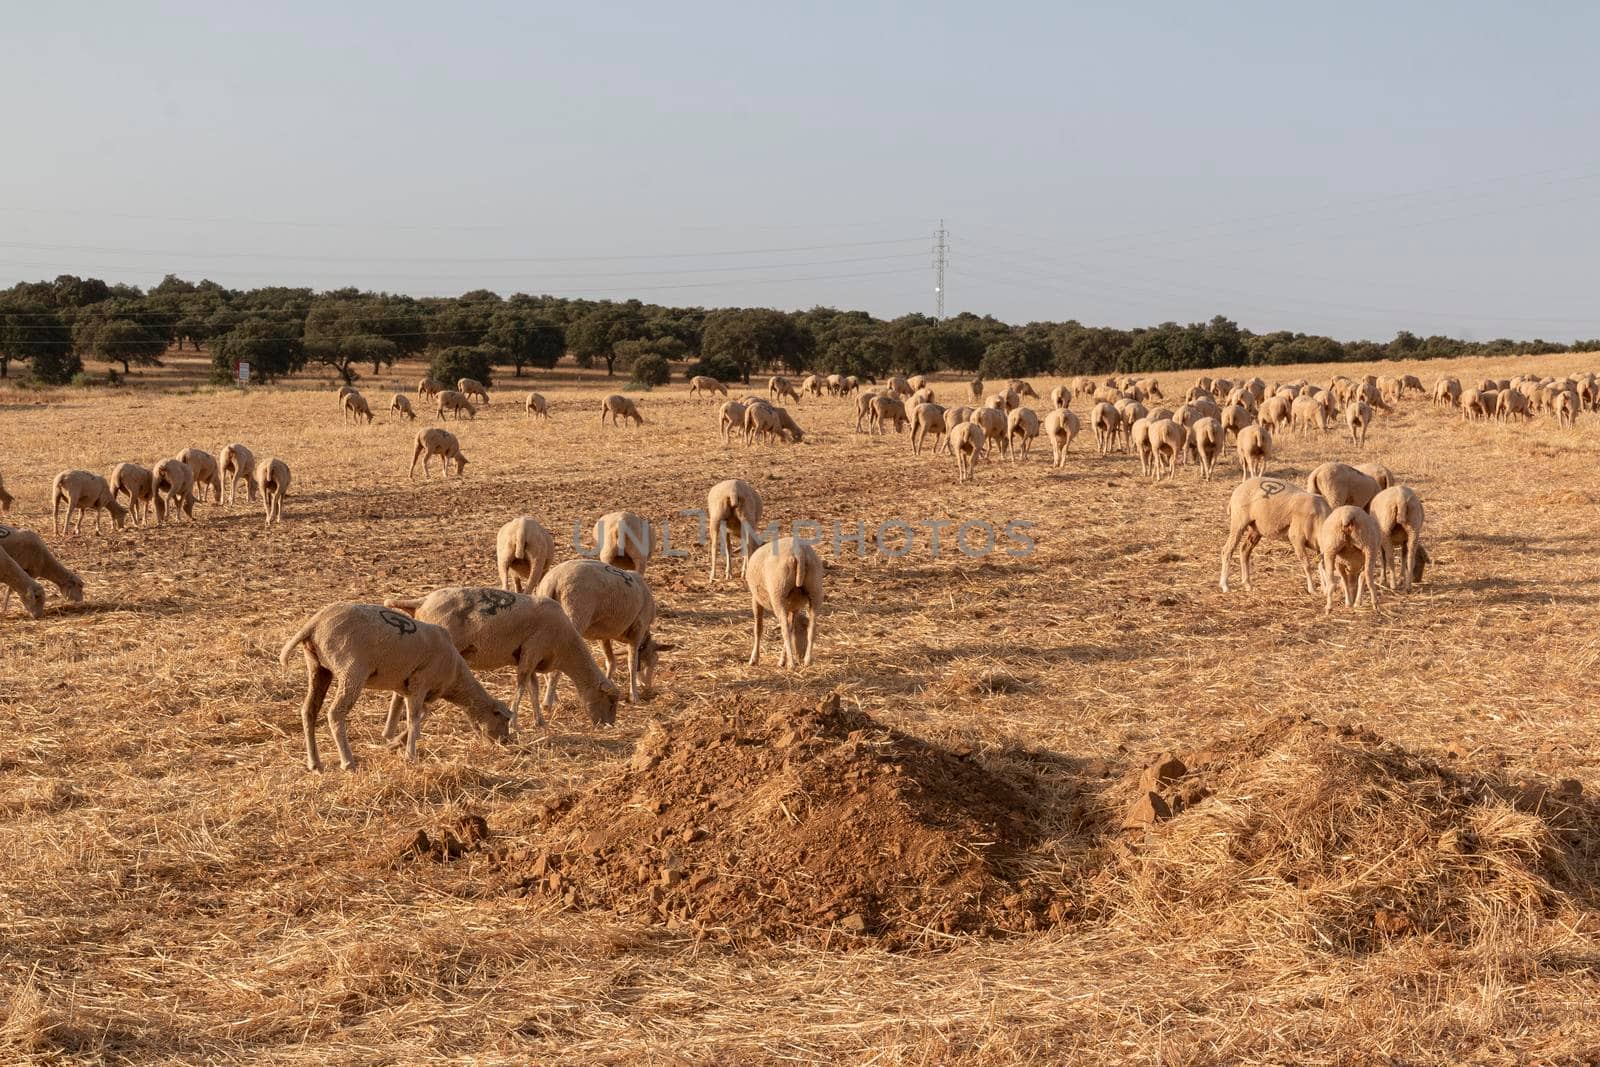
[(300, 638), (408, 606), (799, 568)]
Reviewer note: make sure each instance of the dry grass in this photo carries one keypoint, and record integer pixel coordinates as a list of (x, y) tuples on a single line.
[(178, 887)]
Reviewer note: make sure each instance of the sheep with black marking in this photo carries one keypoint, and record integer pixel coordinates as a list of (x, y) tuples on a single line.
[(350, 648), (1262, 508)]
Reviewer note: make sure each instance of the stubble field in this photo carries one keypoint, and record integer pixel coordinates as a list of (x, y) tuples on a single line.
[(178, 887)]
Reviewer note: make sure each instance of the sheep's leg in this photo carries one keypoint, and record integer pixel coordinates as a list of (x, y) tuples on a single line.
[(717, 528), (811, 633), (785, 619), (755, 615), (1247, 548), (1303, 555), (550, 691), (1235, 531), (1411, 557), (391, 723), (611, 657), (416, 708), (338, 716), (318, 678), (633, 670)]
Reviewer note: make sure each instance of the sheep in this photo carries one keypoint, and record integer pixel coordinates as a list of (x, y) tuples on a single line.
[(140, 486), (728, 501), (1271, 508), (918, 382), (852, 384), (15, 579), (1350, 544), (1358, 416), (834, 384), (344, 391), (5, 499), (1131, 411), (888, 409), (898, 386), (1398, 512), (607, 604), (1139, 442), (623, 540), (436, 442), (493, 628), (1208, 438), (1509, 403), (1060, 426), (616, 406), (995, 429), (1474, 405), (775, 424), (272, 482), (1023, 389), (785, 576), (470, 387), (779, 387), (238, 464), (355, 407), (207, 475), (27, 550), (966, 444), (523, 549), (706, 386), (401, 404), (1024, 424), (1306, 414), (1235, 417), (730, 417), (1244, 398), (1006, 402), (1340, 484), (1446, 393), (812, 384), (976, 388), (452, 400), (429, 388), (81, 491), (1275, 413), (174, 488), (536, 406), (1107, 423), (355, 647), (955, 417), (1167, 440), (1254, 445), (1061, 397), (1411, 381), (1566, 408), (921, 396), (926, 419)]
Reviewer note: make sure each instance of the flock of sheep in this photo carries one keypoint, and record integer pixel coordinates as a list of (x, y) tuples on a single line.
[(1360, 526)]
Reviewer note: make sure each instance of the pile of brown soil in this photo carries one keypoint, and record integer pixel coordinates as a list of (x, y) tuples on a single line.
[(1332, 835), (749, 821)]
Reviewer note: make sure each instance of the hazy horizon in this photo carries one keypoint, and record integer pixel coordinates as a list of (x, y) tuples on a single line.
[(1354, 172)]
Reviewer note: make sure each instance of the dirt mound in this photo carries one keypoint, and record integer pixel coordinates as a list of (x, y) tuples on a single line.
[(753, 822), (1344, 840)]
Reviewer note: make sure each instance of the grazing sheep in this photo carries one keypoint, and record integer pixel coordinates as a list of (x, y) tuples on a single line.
[(536, 406), (606, 604), (139, 485), (238, 465), (1023, 389), (623, 540), (1167, 441), (926, 419), (1398, 512), (493, 628), (887, 409), (1060, 426), (921, 396), (1061, 396), (27, 550), (852, 384), (995, 427), (429, 388), (784, 577), (1107, 423), (355, 407), (470, 387), (1509, 403), (616, 406), (899, 386), (976, 388), (1566, 407), (401, 404), (1271, 508), (453, 400), (1446, 393), (1307, 414), (207, 475), (272, 482), (812, 384), (730, 418), (779, 387), (1023, 424), (16, 580), (834, 384), (436, 442), (1139, 442), (707, 386), (82, 491), (523, 549), (1358, 416), (1411, 381), (351, 648), (1275, 413), (1350, 545), (864, 409), (734, 500), (1254, 445), (1235, 417), (966, 444), (1340, 484), (174, 488), (1208, 438), (344, 391), (774, 424), (5, 499), (956, 416), (918, 382)]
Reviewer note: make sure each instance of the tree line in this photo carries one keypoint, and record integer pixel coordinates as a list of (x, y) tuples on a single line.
[(55, 326)]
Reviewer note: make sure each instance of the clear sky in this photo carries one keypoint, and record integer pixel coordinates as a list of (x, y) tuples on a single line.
[(1353, 168)]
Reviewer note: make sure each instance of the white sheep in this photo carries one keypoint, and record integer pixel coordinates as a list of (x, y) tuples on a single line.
[(16, 580), (730, 420), (1021, 426), (1167, 441), (523, 549), (429, 388), (272, 484), (1139, 442), (927, 419), (82, 491), (1060, 426), (1398, 512), (1107, 423), (1061, 396), (995, 428), (456, 401), (1271, 508), (207, 475), (471, 387), (350, 648), (731, 504), (785, 576), (616, 406), (1358, 416), (1446, 393), (355, 407), (966, 444), (1236, 417), (536, 406), (623, 540), (1340, 484), (706, 386), (493, 628), (238, 465), (606, 604), (436, 442), (140, 486), (1350, 544), (27, 550), (779, 387), (401, 404), (1208, 438)]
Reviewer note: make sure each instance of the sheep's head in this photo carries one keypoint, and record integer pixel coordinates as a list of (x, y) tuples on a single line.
[(649, 656), (33, 600), (72, 588), (493, 720), (602, 704)]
